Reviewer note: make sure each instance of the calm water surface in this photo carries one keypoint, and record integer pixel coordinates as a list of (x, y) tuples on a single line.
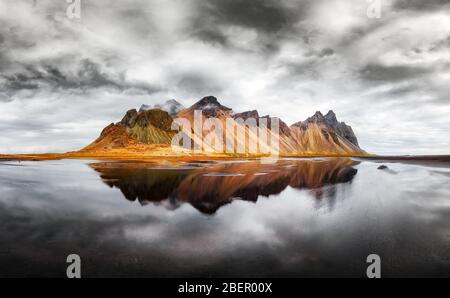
[(292, 218)]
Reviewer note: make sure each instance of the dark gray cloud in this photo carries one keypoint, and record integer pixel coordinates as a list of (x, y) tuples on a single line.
[(421, 5), (88, 75), (375, 73), (264, 16), (439, 45), (213, 36), (326, 52), (272, 21), (197, 83)]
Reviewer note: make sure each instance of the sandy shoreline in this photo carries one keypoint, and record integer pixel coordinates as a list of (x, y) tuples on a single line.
[(422, 159), (141, 156)]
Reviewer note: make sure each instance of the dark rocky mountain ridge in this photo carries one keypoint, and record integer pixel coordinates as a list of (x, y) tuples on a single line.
[(318, 134)]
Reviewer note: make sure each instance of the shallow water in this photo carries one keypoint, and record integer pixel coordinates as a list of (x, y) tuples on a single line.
[(294, 218)]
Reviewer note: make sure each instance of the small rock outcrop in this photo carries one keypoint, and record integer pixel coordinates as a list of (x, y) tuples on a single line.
[(129, 120), (246, 115)]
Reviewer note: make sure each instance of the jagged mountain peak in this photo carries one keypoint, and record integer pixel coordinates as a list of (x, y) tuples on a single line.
[(328, 119), (318, 114), (173, 101), (144, 108), (317, 117), (331, 116), (341, 128), (171, 106), (330, 122), (209, 103), (331, 113), (208, 100), (331, 119), (210, 106), (247, 114), (130, 118)]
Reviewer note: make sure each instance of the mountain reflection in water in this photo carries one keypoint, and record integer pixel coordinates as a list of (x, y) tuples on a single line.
[(208, 185)]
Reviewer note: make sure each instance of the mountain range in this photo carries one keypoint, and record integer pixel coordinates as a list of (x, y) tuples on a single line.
[(150, 128)]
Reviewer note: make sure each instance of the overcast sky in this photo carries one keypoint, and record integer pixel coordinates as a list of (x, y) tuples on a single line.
[(62, 80)]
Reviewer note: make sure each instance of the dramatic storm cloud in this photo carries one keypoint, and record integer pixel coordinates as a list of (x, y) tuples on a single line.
[(62, 80)]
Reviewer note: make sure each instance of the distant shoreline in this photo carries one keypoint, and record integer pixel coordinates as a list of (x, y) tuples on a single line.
[(423, 160), (145, 156), (440, 158)]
